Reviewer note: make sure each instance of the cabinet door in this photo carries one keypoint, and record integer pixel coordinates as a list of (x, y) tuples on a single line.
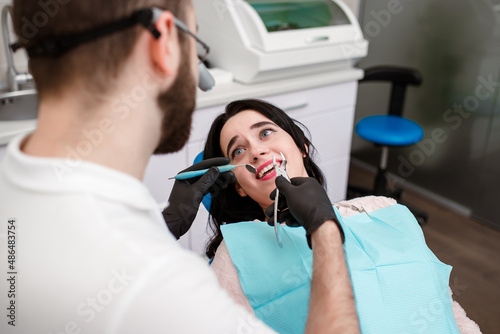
[(315, 100), (200, 231), (2, 151), (331, 133), (160, 169)]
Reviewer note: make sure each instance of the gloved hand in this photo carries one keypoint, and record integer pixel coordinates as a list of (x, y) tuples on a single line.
[(307, 202), (187, 195)]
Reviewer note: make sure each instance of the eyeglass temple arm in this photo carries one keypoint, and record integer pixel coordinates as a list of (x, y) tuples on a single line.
[(146, 17), (182, 26)]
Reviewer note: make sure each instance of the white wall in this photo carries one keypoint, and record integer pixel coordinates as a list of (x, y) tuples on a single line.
[(20, 58), (354, 5)]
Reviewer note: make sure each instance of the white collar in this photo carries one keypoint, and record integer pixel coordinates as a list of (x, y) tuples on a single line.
[(59, 175)]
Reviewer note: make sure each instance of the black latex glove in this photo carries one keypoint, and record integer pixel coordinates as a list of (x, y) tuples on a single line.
[(187, 195), (307, 202)]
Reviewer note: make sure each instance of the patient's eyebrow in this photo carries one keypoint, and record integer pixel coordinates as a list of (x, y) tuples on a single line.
[(254, 126), (261, 124), (231, 143)]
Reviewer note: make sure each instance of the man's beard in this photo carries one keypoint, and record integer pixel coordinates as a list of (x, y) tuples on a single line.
[(177, 104)]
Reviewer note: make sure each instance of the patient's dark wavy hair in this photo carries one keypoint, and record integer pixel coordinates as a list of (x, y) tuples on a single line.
[(228, 206)]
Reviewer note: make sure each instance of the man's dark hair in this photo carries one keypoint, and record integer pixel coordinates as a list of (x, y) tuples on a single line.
[(94, 64)]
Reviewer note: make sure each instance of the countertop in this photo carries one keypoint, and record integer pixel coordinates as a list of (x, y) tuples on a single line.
[(224, 93)]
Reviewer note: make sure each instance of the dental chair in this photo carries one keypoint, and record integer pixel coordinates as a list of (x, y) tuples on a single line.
[(390, 130)]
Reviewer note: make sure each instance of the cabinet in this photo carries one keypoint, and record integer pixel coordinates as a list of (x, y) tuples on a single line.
[(326, 111)]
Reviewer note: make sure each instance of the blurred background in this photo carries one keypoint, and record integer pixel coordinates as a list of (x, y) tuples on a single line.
[(456, 46), (453, 176)]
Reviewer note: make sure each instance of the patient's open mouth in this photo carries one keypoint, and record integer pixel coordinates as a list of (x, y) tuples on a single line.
[(267, 171)]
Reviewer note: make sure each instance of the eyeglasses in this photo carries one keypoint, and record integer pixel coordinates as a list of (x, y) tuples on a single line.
[(206, 49), (146, 17), (205, 80)]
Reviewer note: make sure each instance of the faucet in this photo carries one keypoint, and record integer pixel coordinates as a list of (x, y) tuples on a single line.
[(14, 78)]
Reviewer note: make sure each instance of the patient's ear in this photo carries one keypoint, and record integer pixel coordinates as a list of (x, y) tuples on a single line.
[(240, 190)]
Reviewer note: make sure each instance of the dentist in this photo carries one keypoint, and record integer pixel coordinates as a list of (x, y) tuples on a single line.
[(82, 239)]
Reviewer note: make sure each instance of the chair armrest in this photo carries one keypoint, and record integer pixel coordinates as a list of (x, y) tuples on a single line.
[(394, 74), (399, 78)]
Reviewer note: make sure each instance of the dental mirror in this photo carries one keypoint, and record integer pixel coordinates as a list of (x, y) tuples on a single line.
[(249, 168)]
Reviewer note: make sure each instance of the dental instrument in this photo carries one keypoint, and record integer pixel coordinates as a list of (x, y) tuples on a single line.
[(280, 171), (222, 169)]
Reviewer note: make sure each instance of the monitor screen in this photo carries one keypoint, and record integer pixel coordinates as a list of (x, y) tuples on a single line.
[(292, 15)]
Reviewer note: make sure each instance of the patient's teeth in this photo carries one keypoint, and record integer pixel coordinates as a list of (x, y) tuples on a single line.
[(265, 170)]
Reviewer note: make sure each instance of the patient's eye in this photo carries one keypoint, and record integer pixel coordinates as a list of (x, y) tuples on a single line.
[(237, 151), (266, 132)]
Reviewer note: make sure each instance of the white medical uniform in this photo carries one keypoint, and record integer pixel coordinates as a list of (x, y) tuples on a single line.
[(93, 255)]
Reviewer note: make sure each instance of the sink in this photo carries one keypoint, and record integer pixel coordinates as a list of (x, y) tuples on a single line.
[(19, 105)]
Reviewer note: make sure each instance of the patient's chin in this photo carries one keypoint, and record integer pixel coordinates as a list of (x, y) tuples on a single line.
[(239, 190)]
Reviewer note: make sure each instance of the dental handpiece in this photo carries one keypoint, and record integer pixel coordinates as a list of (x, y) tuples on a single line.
[(222, 169)]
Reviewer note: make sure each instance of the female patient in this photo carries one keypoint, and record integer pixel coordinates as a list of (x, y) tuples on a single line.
[(399, 285)]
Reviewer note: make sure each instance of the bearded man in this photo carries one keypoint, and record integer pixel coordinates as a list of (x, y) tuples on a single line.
[(84, 245)]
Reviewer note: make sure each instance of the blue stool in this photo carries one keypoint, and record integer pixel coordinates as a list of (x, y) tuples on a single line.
[(391, 130)]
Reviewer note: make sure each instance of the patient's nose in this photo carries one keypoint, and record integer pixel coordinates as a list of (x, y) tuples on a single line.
[(259, 152)]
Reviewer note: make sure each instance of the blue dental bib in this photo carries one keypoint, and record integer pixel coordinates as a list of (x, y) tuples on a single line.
[(399, 284)]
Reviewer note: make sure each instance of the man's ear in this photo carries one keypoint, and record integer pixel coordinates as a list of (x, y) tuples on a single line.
[(240, 190), (165, 51)]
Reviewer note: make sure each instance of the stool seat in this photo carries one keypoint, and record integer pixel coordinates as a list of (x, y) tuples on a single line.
[(389, 130)]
